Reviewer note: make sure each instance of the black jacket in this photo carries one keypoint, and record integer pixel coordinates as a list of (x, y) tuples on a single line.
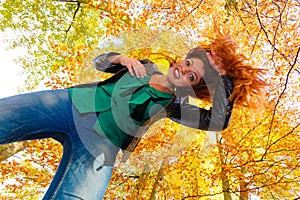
[(179, 110)]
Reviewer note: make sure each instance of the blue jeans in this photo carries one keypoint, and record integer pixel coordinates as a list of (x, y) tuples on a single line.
[(87, 162)]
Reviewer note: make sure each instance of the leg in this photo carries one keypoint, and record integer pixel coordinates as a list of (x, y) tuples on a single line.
[(39, 115), (35, 115), (86, 177), (90, 164), (82, 173)]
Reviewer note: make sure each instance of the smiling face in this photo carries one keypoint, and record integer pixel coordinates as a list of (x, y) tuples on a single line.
[(186, 73)]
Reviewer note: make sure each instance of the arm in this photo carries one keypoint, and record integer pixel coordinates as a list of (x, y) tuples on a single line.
[(113, 62), (215, 119), (104, 64)]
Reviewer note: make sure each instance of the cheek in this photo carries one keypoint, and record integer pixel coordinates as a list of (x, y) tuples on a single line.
[(185, 82), (181, 82), (203, 72)]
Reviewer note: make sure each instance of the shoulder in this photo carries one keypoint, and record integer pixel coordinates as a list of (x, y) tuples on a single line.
[(150, 66)]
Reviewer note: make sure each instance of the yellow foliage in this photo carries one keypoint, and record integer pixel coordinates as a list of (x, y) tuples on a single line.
[(255, 155)]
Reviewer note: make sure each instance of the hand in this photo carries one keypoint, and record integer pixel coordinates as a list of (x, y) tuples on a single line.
[(134, 66), (215, 62)]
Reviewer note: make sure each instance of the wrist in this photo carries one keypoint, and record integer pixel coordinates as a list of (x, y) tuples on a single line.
[(123, 59), (112, 56), (116, 59)]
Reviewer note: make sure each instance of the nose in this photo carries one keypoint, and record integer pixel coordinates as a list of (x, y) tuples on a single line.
[(184, 67)]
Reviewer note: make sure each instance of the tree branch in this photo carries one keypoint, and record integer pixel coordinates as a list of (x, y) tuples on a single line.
[(186, 16), (277, 27), (285, 87), (273, 143), (266, 34), (202, 195), (74, 16)]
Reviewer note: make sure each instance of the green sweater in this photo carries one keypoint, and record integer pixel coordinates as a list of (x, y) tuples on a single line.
[(122, 106)]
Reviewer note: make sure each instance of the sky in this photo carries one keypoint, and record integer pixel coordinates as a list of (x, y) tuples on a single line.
[(10, 78)]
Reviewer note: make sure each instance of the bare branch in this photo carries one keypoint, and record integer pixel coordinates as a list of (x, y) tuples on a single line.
[(186, 16), (279, 23), (284, 136), (202, 195), (266, 33), (74, 16), (255, 41), (285, 87), (244, 137)]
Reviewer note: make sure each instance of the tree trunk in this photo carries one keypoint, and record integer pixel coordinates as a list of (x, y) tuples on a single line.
[(243, 187), (158, 178), (225, 180), (142, 179), (225, 186)]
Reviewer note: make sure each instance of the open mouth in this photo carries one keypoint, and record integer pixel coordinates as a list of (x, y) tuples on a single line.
[(176, 73)]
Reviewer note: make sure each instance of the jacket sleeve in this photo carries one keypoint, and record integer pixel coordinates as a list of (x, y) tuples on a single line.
[(215, 119), (103, 63)]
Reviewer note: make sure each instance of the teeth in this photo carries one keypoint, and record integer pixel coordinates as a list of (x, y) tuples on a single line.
[(176, 73)]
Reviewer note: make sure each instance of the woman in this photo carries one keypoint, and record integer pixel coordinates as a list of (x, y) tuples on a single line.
[(94, 121)]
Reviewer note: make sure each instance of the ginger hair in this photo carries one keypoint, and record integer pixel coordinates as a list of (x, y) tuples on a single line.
[(249, 86)]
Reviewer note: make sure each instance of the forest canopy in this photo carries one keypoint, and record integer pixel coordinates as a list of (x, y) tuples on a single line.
[(254, 156)]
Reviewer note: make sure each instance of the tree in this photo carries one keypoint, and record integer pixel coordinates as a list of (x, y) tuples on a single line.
[(264, 26), (253, 156)]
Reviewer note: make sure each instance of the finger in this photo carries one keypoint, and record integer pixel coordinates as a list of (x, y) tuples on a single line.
[(213, 53), (210, 59), (130, 69), (140, 71), (137, 73)]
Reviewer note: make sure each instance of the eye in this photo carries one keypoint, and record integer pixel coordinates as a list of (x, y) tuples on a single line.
[(188, 63), (192, 77)]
